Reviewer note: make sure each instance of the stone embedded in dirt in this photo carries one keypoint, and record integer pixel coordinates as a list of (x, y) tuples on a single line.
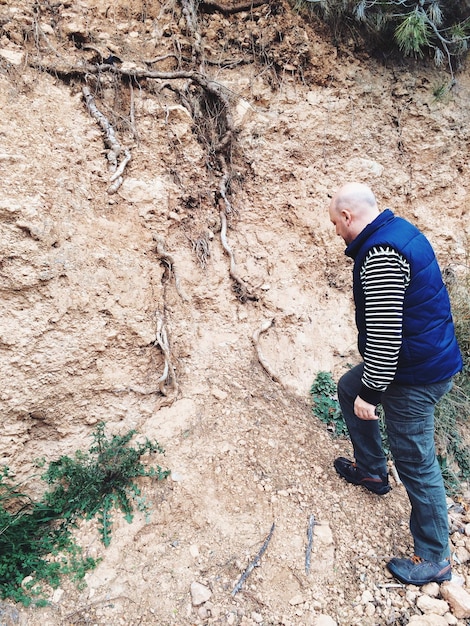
[(176, 477), (10, 616), (458, 598), (199, 593), (324, 620), (431, 589), (427, 620), (298, 599), (12, 56), (219, 394), (463, 555), (194, 551), (429, 605)]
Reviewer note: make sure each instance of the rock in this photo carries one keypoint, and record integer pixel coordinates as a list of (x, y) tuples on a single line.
[(242, 110), (458, 599), (203, 612), (463, 555), (427, 620), (57, 595), (367, 597), (364, 166), (141, 191), (369, 609), (298, 599), (194, 551), (431, 589), (10, 616), (219, 394), (199, 593), (429, 605), (324, 620), (12, 56)]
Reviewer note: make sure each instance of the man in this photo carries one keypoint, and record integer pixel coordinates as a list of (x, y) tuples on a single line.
[(407, 342)]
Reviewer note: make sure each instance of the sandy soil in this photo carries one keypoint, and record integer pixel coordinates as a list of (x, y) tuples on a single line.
[(85, 289)]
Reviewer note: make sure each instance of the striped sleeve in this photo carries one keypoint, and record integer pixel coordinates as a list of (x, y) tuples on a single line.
[(385, 275)]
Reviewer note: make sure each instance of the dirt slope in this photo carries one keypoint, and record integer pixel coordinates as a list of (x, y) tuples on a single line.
[(86, 287)]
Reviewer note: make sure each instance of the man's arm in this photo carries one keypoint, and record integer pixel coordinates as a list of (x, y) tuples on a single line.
[(385, 275)]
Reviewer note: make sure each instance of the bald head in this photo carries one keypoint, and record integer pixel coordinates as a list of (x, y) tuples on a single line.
[(356, 197), (352, 208)]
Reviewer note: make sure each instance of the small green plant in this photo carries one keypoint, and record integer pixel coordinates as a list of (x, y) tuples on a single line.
[(96, 482), (36, 542), (325, 404), (31, 540)]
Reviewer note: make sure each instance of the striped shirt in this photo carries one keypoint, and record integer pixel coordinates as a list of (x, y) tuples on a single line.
[(385, 275)]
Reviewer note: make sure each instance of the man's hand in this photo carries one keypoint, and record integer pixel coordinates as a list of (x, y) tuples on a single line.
[(364, 410)]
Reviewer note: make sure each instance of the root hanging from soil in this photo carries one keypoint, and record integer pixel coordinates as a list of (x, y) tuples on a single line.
[(219, 142), (168, 259), (209, 105), (242, 289), (261, 358), (167, 380), (114, 147)]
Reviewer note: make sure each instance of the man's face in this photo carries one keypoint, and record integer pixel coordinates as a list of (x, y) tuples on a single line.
[(341, 221)]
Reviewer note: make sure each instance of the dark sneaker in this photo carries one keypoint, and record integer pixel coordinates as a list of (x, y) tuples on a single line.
[(350, 472), (417, 571)]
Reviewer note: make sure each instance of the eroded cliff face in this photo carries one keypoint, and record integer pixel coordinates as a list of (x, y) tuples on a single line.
[(100, 291)]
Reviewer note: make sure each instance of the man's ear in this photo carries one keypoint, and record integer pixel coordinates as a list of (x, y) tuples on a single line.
[(346, 216)]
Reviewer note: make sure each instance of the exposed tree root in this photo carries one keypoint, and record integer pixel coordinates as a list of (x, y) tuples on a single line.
[(263, 328), (170, 263), (114, 148), (209, 104), (243, 290), (168, 376), (254, 563)]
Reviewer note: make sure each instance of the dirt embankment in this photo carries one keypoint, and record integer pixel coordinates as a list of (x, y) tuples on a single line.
[(103, 293)]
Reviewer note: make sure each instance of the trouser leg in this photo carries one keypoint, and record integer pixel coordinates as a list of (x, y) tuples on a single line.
[(365, 434), (409, 417)]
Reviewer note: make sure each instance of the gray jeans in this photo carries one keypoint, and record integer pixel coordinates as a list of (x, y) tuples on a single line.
[(409, 420)]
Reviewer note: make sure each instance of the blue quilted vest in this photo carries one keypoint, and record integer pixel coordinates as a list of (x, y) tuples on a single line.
[(429, 351)]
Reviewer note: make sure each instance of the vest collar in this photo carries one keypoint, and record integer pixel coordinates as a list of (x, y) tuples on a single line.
[(383, 218)]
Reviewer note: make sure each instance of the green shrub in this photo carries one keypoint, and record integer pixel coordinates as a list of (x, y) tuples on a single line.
[(325, 404), (326, 407), (35, 537), (94, 483)]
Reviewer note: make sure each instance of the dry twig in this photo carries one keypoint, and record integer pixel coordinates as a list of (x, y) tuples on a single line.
[(394, 473)]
